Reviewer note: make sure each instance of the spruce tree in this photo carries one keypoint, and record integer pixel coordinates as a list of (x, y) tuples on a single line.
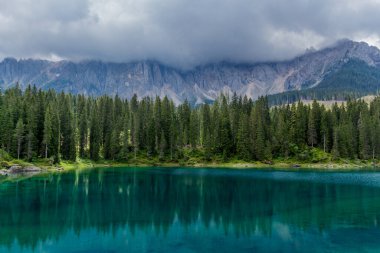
[(194, 129), (125, 132), (364, 136), (82, 126), (19, 136), (95, 134), (68, 128), (48, 130), (243, 138), (312, 130), (225, 135), (7, 127)]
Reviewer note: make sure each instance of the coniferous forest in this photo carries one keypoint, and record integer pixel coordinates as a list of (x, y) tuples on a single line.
[(38, 124)]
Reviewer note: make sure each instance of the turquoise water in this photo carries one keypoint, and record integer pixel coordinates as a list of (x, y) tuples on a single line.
[(191, 210)]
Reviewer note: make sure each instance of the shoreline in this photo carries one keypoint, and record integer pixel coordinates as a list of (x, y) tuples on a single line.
[(289, 166), (356, 165)]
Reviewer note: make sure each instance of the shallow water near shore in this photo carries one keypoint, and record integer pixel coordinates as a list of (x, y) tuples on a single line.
[(191, 210)]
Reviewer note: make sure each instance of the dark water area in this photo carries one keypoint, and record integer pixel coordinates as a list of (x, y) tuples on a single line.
[(191, 210)]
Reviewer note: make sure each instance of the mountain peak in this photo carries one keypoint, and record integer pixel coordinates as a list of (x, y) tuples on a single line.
[(203, 83)]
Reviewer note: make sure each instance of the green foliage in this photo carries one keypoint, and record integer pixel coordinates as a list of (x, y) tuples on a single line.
[(4, 156), (19, 136), (45, 125)]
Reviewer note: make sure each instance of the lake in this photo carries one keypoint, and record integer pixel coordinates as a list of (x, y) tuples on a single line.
[(191, 210)]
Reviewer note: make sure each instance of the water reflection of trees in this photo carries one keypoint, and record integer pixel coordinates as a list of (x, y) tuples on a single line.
[(46, 207)]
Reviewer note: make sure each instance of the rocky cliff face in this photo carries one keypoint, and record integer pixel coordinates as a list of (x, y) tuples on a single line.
[(201, 84)]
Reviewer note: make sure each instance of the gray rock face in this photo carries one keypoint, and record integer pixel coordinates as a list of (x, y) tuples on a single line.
[(17, 169), (199, 85)]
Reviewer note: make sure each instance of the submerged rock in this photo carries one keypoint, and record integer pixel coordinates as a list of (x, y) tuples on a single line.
[(16, 169)]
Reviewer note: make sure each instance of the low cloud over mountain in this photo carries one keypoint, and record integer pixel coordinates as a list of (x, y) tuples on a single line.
[(203, 83), (181, 33)]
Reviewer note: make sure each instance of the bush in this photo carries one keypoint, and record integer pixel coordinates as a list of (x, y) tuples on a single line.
[(4, 156), (4, 164)]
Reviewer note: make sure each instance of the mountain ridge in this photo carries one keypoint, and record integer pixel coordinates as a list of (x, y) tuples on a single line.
[(198, 85)]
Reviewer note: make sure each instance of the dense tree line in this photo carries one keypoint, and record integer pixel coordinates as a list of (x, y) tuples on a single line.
[(46, 124)]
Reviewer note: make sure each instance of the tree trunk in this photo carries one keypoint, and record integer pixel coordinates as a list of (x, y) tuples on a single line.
[(373, 154), (46, 150), (18, 148), (29, 149)]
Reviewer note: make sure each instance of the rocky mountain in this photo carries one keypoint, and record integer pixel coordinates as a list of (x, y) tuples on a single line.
[(201, 84)]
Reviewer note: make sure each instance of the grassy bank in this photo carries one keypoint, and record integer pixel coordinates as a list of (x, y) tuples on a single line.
[(317, 160), (283, 164)]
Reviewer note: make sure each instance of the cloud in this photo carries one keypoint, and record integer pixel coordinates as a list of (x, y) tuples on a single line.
[(181, 32)]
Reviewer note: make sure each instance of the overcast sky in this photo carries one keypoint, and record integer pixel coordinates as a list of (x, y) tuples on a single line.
[(181, 32)]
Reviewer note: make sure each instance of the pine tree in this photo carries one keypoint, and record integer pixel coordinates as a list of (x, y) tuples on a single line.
[(243, 139), (55, 140), (335, 147), (375, 137), (6, 133), (235, 113), (282, 129), (40, 120), (173, 136), (151, 136), (134, 124), (48, 130), (185, 115), (157, 122), (68, 128), (166, 116), (82, 126), (259, 140), (95, 134), (163, 147), (312, 130), (115, 144), (30, 112), (261, 129), (326, 131), (107, 116), (194, 129), (125, 132), (205, 135), (19, 136), (225, 135), (364, 136)]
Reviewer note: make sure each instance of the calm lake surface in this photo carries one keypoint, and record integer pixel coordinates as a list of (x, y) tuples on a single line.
[(191, 210)]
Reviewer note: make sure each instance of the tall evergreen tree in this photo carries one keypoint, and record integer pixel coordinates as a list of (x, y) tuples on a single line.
[(95, 134), (312, 130), (364, 136), (68, 128), (243, 139), (82, 126), (19, 136), (48, 130)]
